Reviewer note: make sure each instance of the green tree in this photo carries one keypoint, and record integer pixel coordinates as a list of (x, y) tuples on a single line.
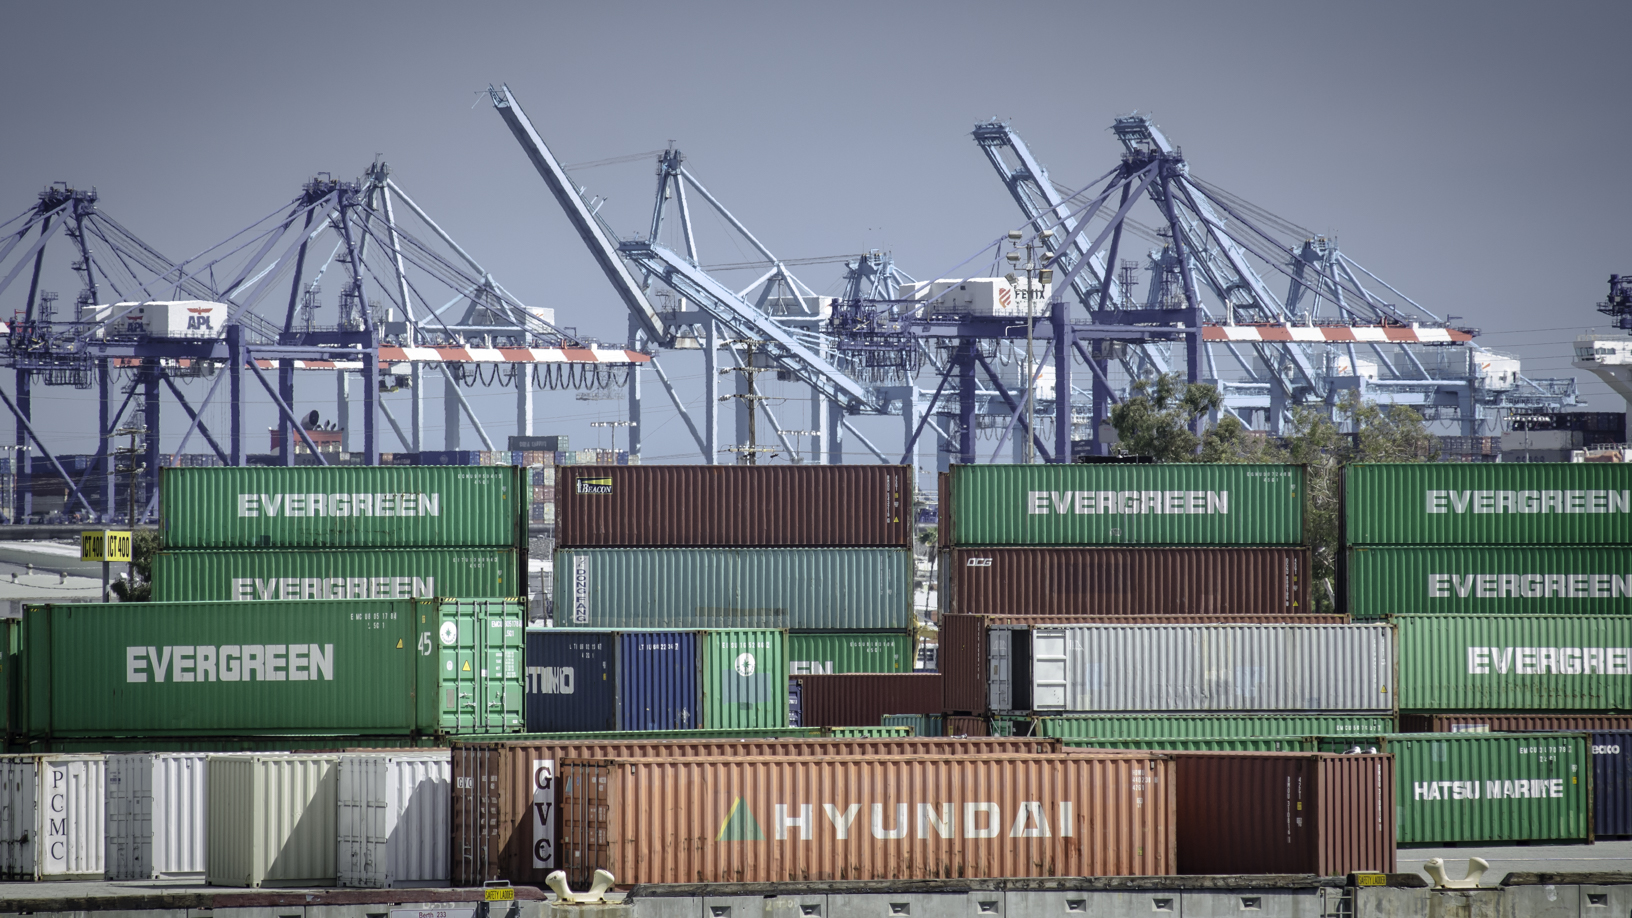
[(1156, 417), (144, 544)]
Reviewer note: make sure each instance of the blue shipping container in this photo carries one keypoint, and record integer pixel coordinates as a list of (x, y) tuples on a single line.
[(570, 686), (657, 681), (1612, 783)]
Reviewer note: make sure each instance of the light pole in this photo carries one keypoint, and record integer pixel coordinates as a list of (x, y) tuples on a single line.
[(1045, 276)]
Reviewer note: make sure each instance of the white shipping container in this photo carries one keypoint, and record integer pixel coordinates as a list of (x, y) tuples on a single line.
[(51, 817), (269, 820), (392, 819), (155, 815), (981, 296), (163, 318), (1143, 668)]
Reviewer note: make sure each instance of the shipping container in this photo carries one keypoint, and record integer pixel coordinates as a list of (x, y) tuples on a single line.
[(1192, 668), (1515, 723), (839, 589), (1137, 726), (1435, 580), (1612, 783), (830, 653), (51, 817), (878, 732), (862, 699), (343, 507), (1492, 787), (190, 670), (1541, 663), (658, 681), (968, 726), (723, 506), (767, 819), (391, 819), (571, 680), (1208, 744), (919, 724), (1089, 583), (1162, 504), (745, 678), (499, 832), (1479, 503), (1280, 813), (269, 820), (402, 573), (155, 815)]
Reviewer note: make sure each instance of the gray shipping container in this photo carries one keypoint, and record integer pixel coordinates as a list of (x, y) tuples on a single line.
[(1197, 668), (838, 589)]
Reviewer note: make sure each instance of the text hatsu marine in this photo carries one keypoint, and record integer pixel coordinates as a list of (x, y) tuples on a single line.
[(981, 819)]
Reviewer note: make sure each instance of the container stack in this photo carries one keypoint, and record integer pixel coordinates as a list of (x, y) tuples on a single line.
[(689, 594), (1510, 590), (1115, 589)]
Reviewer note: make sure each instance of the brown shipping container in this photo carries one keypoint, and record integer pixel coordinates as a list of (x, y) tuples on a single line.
[(1513, 723), (1223, 584), (966, 726), (1284, 812), (496, 804), (862, 699), (724, 506), (962, 646), (765, 819)]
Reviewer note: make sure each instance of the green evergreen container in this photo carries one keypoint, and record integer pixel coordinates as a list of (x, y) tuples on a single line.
[(745, 679), (257, 669), (838, 652), (1515, 662), (1480, 503), (392, 506), (1580, 580), (1208, 726), (1195, 744), (387, 573), (1491, 787), (651, 736), (1169, 504)]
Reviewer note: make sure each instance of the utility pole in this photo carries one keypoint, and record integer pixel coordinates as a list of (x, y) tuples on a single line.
[(1030, 297), (749, 455), (134, 469)]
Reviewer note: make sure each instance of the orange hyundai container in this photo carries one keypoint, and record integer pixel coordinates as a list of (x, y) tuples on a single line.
[(771, 819)]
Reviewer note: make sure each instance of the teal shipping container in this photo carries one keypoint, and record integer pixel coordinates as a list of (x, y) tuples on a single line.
[(1552, 663), (745, 679), (839, 589), (1499, 579), (1169, 504), (256, 669), (402, 506), (1481, 503), (385, 573), (1491, 788)]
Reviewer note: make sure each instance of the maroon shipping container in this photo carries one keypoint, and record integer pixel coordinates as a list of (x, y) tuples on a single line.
[(1284, 812), (498, 829), (963, 725), (1513, 723), (962, 647), (731, 506), (862, 699), (1086, 584)]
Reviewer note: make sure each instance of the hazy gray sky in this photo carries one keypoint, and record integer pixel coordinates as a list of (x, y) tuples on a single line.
[(1470, 153)]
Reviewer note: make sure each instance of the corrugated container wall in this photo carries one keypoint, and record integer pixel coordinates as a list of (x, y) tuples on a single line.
[(1515, 723), (830, 653), (862, 699), (758, 819), (709, 506), (155, 815), (571, 680), (966, 726), (1480, 503), (919, 724), (1543, 663), (658, 686), (1213, 668), (407, 573), (1612, 783), (52, 817), (745, 679), (1136, 726), (840, 589), (499, 833), (1174, 504), (146, 670), (1084, 583), (392, 819), (343, 507), (1583, 580), (269, 820), (1301, 813), (1492, 787)]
